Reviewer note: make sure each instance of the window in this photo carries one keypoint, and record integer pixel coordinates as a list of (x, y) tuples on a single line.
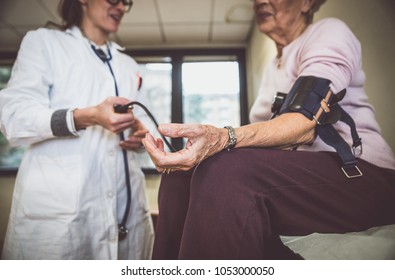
[(10, 157), (5, 73), (157, 83), (211, 93)]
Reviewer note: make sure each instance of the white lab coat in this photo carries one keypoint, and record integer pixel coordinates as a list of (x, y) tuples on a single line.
[(70, 192)]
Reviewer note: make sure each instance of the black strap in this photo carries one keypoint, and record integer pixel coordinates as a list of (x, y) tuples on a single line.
[(331, 137), (346, 118)]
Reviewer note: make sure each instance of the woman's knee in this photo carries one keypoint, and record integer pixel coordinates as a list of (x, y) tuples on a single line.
[(213, 174), (222, 181)]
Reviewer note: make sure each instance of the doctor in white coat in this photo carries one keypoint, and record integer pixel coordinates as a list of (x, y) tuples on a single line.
[(70, 194)]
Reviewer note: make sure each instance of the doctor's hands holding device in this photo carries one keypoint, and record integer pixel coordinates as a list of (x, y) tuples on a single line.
[(103, 114)]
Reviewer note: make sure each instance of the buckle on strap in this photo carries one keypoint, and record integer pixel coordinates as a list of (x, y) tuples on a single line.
[(357, 150), (351, 171)]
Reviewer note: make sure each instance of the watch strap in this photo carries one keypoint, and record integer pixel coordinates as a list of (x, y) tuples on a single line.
[(232, 138)]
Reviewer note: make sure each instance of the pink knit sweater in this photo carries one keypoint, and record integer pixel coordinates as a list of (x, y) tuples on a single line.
[(327, 49)]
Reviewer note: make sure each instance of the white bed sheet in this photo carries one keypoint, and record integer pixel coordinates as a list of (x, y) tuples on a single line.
[(377, 243)]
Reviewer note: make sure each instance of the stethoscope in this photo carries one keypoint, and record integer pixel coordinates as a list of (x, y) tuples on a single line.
[(122, 230)]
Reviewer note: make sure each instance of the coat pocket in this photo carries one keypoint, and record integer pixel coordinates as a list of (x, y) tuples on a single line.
[(52, 186)]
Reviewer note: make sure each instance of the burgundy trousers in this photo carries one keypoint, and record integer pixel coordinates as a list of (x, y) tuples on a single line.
[(235, 204)]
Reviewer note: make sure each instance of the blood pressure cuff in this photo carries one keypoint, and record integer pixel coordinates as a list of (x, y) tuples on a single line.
[(306, 97)]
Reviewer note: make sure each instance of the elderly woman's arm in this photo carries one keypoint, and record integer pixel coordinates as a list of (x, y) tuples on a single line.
[(286, 131)]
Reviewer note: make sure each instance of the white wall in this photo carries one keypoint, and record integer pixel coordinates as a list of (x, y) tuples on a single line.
[(373, 23)]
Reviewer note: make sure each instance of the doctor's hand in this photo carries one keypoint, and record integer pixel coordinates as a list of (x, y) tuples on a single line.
[(103, 114), (203, 141), (134, 141)]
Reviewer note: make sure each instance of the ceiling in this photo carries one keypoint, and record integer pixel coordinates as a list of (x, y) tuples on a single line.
[(149, 24)]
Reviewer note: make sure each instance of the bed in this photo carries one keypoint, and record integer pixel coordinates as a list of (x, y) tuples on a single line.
[(377, 243)]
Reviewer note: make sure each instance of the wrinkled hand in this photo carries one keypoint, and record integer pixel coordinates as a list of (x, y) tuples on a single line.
[(203, 142), (134, 141)]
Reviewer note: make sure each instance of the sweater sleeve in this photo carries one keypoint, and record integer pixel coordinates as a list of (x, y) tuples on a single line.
[(330, 51)]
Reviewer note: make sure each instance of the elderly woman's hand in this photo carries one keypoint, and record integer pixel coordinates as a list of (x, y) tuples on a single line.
[(203, 141)]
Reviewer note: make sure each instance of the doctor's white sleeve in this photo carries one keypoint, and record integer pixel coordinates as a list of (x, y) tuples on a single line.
[(25, 113)]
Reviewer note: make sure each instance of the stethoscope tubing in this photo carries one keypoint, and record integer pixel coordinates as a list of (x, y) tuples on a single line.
[(124, 109), (122, 225)]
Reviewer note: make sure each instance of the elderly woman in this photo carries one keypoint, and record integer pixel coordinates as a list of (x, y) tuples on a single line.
[(291, 171)]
